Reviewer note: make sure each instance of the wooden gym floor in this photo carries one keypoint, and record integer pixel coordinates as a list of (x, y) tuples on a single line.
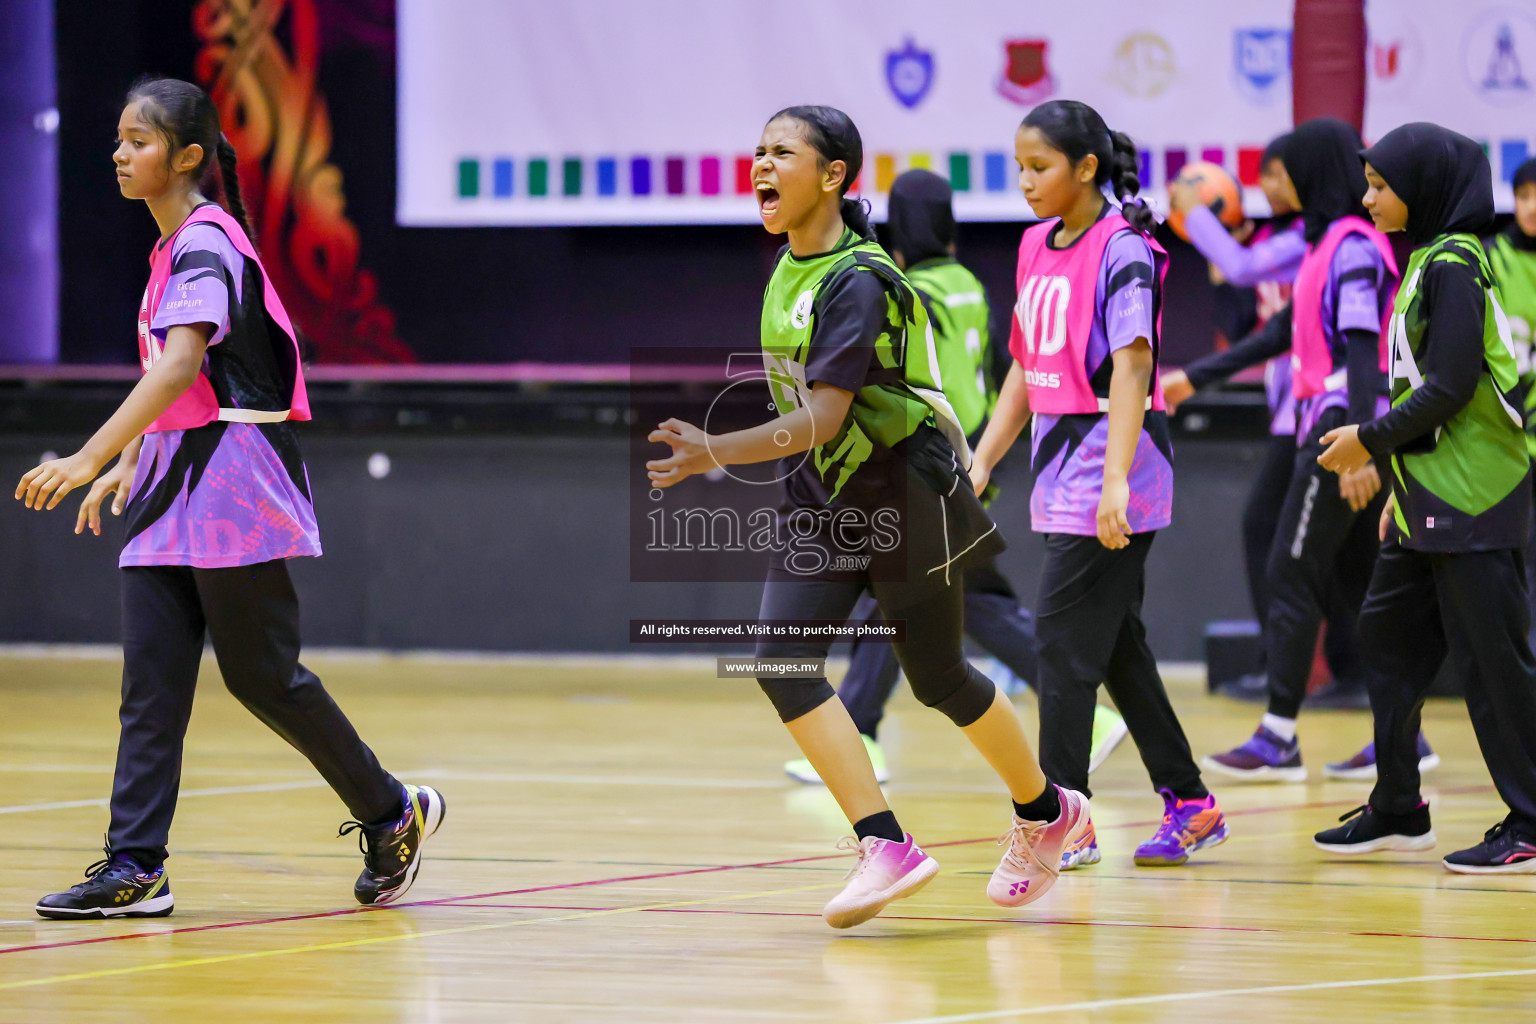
[(622, 846)]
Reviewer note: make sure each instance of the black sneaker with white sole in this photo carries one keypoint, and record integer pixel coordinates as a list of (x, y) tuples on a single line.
[(1505, 850), (1366, 830), (114, 887), (392, 853)]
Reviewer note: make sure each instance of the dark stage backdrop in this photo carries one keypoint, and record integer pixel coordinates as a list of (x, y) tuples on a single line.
[(391, 294)]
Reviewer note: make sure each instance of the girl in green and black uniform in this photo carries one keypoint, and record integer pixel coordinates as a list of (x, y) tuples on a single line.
[(921, 238), (1450, 579), (1512, 253), (874, 466)]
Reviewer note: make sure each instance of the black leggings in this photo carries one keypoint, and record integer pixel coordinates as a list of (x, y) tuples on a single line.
[(1261, 521), (931, 655), (1312, 557), (252, 615), (1473, 609), (1088, 620), (993, 618)]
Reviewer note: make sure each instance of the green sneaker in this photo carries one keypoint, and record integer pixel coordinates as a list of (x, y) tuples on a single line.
[(801, 771), (1108, 730)]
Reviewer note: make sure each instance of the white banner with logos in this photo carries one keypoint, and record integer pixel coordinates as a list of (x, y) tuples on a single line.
[(1468, 65), (647, 111)]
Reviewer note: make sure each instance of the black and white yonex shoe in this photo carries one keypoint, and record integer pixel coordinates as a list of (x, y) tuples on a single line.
[(392, 853), (114, 887)]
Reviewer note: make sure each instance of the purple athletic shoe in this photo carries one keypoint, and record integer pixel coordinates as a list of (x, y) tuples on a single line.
[(1188, 825), (1264, 758), (1363, 765)]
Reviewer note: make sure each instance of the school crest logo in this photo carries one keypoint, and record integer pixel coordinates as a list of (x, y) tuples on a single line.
[(800, 316), (1143, 65), (1394, 57), (1026, 77), (1499, 56), (909, 74), (1261, 63)]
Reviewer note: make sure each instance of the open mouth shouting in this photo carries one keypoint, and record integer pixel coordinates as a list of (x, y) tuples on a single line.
[(767, 199)]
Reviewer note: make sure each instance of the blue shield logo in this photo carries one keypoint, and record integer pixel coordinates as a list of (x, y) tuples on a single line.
[(1261, 58), (909, 73)]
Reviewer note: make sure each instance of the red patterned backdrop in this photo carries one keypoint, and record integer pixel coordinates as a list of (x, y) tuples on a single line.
[(260, 60)]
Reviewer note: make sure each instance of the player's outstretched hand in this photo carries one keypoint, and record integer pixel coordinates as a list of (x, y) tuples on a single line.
[(1182, 196), (45, 486), (690, 453), (118, 482), (1176, 389)]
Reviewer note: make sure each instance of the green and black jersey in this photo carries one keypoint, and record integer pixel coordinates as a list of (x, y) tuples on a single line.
[(851, 319), (1514, 269), (957, 308), (1454, 433)]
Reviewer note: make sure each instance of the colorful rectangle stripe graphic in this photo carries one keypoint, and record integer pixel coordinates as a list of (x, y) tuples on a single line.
[(969, 172), (960, 172)]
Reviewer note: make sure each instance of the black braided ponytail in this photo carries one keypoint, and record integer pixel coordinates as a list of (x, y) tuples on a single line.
[(832, 134), (185, 115), (229, 177), (1077, 130)]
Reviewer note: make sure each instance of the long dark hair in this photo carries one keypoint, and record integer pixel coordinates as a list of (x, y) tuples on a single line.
[(831, 133), (1077, 130), (184, 114)]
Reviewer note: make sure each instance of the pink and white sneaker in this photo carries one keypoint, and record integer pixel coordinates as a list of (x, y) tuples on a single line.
[(1033, 859), (886, 871)]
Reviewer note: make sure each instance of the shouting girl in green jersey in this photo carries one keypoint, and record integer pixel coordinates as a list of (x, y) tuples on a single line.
[(874, 464), (920, 234), (1450, 578)]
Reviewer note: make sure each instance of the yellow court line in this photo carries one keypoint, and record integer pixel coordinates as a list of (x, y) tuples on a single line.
[(231, 957)]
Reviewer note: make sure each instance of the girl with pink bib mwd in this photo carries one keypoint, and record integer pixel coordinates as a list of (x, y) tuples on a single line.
[(1085, 346), (217, 499)]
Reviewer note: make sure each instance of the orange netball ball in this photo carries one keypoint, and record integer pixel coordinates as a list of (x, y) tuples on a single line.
[(1217, 191)]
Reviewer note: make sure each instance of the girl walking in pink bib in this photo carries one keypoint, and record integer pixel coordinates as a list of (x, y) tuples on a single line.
[(217, 499), (1085, 346)]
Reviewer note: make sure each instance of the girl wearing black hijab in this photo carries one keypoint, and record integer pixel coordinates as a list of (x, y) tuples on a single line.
[(1450, 579), (1333, 330)]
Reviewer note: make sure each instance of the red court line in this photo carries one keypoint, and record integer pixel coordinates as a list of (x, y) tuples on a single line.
[(453, 900)]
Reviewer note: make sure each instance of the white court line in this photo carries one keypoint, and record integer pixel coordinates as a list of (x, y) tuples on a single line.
[(266, 787), (105, 768), (553, 779), (603, 780), (772, 782), (572, 659), (566, 659), (1181, 997)]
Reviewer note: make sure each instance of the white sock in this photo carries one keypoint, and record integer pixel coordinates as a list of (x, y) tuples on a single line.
[(1285, 728)]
